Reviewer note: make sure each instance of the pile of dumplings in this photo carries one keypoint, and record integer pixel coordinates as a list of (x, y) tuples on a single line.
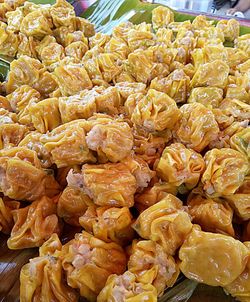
[(140, 138)]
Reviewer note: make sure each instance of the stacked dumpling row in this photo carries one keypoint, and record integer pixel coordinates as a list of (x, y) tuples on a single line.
[(141, 138)]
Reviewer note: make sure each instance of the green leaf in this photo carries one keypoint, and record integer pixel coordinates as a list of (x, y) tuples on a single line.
[(179, 293), (106, 14), (4, 70)]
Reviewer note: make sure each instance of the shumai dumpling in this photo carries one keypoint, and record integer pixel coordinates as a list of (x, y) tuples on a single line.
[(22, 176), (51, 55), (213, 259), (45, 115), (208, 54), (164, 35), (8, 41), (175, 85), (76, 50), (79, 106), (165, 223), (11, 134), (179, 165), (36, 24), (140, 39), (161, 17), (185, 42), (209, 36), (238, 93), (240, 141), (228, 129), (225, 171), (201, 22), (124, 288), (85, 26), (108, 66), (243, 43), (108, 224), (89, 262), (240, 200), (67, 144), (140, 169), (6, 217), (236, 59), (26, 46), (131, 103), (236, 109), (20, 99), (34, 224), (211, 74), (240, 287), (244, 67), (210, 97), (62, 13), (117, 47), (99, 39), (32, 142), (139, 66), (113, 141), (72, 78), (212, 215), (230, 28), (125, 89), (42, 279), (7, 117), (29, 71), (110, 184), (197, 126), (4, 103), (24, 71), (156, 112), (93, 69), (152, 265), (152, 195), (72, 204), (121, 30), (14, 19), (108, 99), (149, 146)]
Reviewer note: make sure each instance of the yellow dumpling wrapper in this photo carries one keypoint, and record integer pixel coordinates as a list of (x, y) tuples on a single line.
[(152, 265), (67, 144), (225, 171), (110, 184), (156, 112), (211, 74), (126, 288), (89, 262), (22, 175), (34, 224), (179, 165), (109, 224), (212, 215), (213, 259), (207, 96), (161, 17), (72, 204), (197, 126), (165, 223)]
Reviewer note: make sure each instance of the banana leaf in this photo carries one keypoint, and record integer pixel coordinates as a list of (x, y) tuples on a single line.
[(106, 14)]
